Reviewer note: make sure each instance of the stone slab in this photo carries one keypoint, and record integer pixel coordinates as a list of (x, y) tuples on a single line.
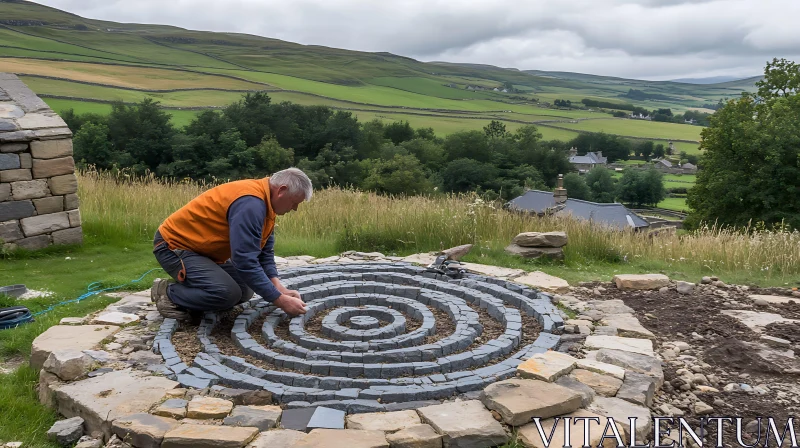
[(774, 299), (536, 252), (640, 281), (67, 337), (115, 318), (208, 408), (261, 417), (620, 410), (343, 438), (756, 320), (530, 437), (635, 362), (278, 438), (51, 149), (544, 282), (208, 436), (540, 239), (69, 364), (38, 225), (492, 271), (546, 366), (16, 210), (103, 399), (143, 430), (383, 421), (465, 424), (628, 325), (633, 345), (172, 408), (601, 367), (518, 400), (44, 168), (417, 436), (603, 385)]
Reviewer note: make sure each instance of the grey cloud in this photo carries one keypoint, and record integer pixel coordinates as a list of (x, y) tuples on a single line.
[(628, 38)]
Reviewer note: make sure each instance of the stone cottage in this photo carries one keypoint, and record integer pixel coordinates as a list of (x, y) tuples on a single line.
[(38, 186), (586, 162)]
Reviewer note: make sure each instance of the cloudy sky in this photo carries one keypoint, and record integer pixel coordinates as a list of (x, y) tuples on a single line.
[(646, 39)]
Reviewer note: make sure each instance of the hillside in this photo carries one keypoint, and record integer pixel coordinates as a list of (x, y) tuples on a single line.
[(80, 63)]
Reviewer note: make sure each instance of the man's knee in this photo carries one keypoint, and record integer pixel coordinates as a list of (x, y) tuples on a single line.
[(225, 296)]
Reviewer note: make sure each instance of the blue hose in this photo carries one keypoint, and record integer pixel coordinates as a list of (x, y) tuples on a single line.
[(91, 290)]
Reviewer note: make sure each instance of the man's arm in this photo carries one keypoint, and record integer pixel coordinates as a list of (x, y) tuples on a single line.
[(267, 260), (246, 221)]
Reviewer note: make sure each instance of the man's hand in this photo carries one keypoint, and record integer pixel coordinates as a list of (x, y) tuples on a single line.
[(292, 306), (293, 293)]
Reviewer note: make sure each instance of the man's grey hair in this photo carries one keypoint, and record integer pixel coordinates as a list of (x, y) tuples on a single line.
[(296, 180)]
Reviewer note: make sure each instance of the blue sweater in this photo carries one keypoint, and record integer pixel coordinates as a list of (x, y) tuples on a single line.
[(256, 266)]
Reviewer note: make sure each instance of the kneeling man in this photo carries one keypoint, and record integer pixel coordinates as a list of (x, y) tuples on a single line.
[(219, 247)]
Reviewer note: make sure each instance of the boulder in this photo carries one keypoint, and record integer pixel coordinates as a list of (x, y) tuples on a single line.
[(546, 366), (68, 365), (464, 424), (204, 408), (383, 421), (66, 432), (261, 417), (553, 253), (604, 385), (207, 436), (621, 410), (67, 337), (539, 239), (343, 438), (530, 437), (143, 430), (633, 345), (684, 287), (517, 400), (277, 438), (103, 399), (544, 282), (417, 436), (640, 281), (638, 388), (455, 253)]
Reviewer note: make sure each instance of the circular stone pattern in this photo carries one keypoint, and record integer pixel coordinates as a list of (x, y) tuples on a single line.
[(373, 334)]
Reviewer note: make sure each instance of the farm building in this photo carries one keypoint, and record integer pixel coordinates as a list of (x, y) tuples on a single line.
[(586, 162)]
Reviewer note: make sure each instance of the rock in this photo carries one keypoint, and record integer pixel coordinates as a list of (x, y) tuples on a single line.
[(68, 365), (706, 280), (775, 342), (417, 436), (604, 385), (615, 306), (640, 346), (65, 337), (685, 287), (771, 300), (277, 438), (543, 282), (383, 421), (638, 388), (343, 438), (536, 252), (205, 436), (308, 418), (72, 321), (455, 253), (530, 437), (601, 367), (204, 408), (620, 410), (546, 366), (519, 400), (172, 408), (538, 239), (756, 320), (586, 392), (115, 318), (115, 442), (66, 432), (640, 281), (628, 325), (760, 302), (88, 442), (261, 417), (701, 408), (143, 430), (101, 400), (244, 397), (464, 424), (492, 271)]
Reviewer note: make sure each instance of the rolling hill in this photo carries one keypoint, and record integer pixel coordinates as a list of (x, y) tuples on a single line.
[(80, 63)]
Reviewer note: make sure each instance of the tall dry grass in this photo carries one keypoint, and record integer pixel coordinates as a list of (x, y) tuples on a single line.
[(120, 207)]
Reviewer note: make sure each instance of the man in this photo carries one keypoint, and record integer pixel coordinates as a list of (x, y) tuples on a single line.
[(219, 247)]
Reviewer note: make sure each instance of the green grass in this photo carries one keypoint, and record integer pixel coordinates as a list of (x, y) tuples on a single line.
[(639, 128), (676, 204), (180, 118)]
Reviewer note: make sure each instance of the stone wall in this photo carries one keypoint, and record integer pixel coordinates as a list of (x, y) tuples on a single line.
[(38, 186)]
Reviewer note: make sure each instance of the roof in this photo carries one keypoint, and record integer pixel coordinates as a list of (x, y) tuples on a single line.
[(614, 215), (590, 158), (689, 166), (665, 162)]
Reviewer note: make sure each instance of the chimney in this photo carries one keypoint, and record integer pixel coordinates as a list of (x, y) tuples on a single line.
[(560, 194), (599, 154), (573, 152)]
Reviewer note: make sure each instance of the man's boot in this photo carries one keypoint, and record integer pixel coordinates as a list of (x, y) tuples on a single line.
[(165, 306)]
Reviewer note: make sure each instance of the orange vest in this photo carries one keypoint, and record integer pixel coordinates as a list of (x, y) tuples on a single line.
[(201, 226)]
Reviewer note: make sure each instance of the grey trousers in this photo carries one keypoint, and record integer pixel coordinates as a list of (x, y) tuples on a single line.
[(203, 285)]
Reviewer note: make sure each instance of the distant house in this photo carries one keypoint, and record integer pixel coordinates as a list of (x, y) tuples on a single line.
[(639, 116), (689, 168), (586, 162), (615, 216), (663, 165), (690, 121)]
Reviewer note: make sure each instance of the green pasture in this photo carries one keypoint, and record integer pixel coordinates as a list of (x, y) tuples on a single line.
[(639, 128), (180, 118), (675, 204)]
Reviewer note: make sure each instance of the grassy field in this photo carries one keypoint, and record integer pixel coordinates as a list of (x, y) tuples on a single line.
[(639, 128), (180, 118), (676, 204)]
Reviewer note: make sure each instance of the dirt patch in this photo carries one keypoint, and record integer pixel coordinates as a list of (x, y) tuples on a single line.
[(734, 355), (186, 343), (790, 332)]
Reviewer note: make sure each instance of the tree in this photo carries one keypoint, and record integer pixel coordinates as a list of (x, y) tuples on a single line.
[(642, 188), (495, 129), (467, 145), (398, 132), (601, 184), (576, 187), (751, 156), (143, 131), (430, 154), (659, 152), (612, 146), (463, 175), (92, 147), (645, 148), (401, 175)]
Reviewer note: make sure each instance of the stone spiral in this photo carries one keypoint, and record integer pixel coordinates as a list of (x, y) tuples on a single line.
[(377, 340)]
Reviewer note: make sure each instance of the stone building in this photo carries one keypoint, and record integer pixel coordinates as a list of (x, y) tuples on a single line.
[(586, 162), (38, 186)]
